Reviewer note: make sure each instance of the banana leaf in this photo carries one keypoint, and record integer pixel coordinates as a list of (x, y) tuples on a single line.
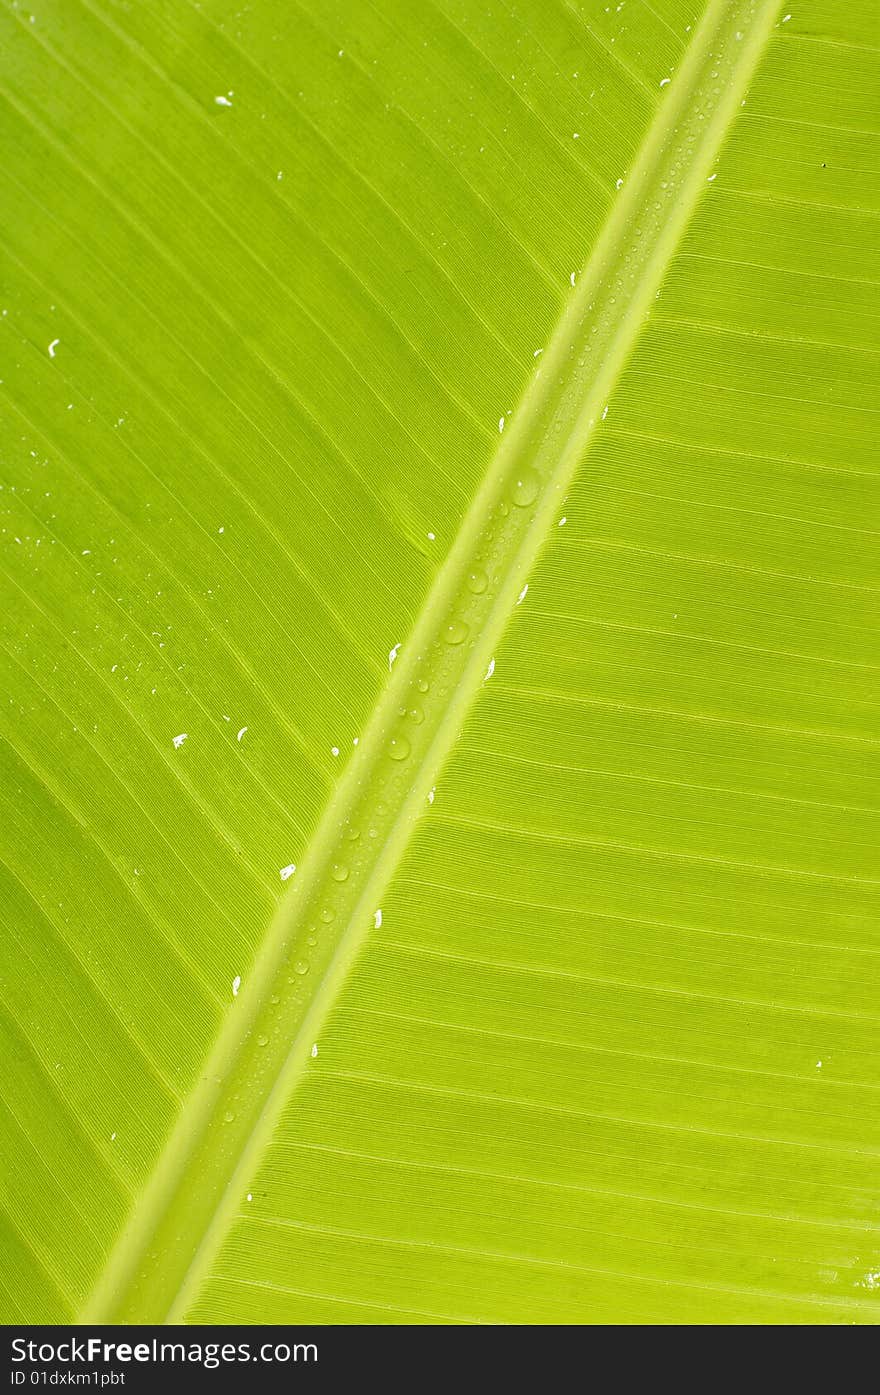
[(439, 765)]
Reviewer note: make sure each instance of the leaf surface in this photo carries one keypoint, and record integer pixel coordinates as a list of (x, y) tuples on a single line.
[(439, 859)]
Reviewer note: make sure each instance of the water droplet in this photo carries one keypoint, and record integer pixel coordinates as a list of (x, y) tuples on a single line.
[(300, 967), (262, 1040), (339, 872), (228, 1117), (525, 489), (456, 631), (327, 915), (477, 581), (423, 685), (274, 1000), (417, 716), (311, 940), (353, 834), (398, 749)]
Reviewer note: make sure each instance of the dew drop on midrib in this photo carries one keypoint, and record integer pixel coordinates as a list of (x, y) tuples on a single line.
[(525, 489), (398, 749), (456, 632)]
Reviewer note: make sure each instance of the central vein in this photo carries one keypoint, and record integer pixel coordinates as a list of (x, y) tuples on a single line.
[(264, 1046)]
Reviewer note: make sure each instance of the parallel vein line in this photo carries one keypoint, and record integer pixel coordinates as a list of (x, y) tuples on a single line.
[(672, 1203), (543, 1106), (590, 1049), (88, 332), (415, 951), (106, 1001)]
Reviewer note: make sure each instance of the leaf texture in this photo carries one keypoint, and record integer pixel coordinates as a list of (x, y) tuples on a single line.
[(332, 334)]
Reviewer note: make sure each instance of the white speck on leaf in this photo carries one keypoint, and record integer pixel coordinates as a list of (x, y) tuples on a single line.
[(605, 411), (236, 984), (619, 184), (572, 276), (500, 423), (334, 750), (377, 919), (314, 1048), (664, 81), (287, 871), (241, 733), (818, 1065), (393, 653), (490, 670), (431, 537), (522, 595), (113, 1138), (562, 522), (537, 353), (250, 1196), (711, 178), (431, 793), (223, 101), (53, 346), (179, 740), (871, 1280)]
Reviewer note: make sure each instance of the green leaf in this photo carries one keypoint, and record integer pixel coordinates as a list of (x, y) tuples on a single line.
[(439, 519)]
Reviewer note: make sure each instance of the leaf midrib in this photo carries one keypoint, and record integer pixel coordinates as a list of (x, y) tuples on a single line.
[(193, 1196)]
